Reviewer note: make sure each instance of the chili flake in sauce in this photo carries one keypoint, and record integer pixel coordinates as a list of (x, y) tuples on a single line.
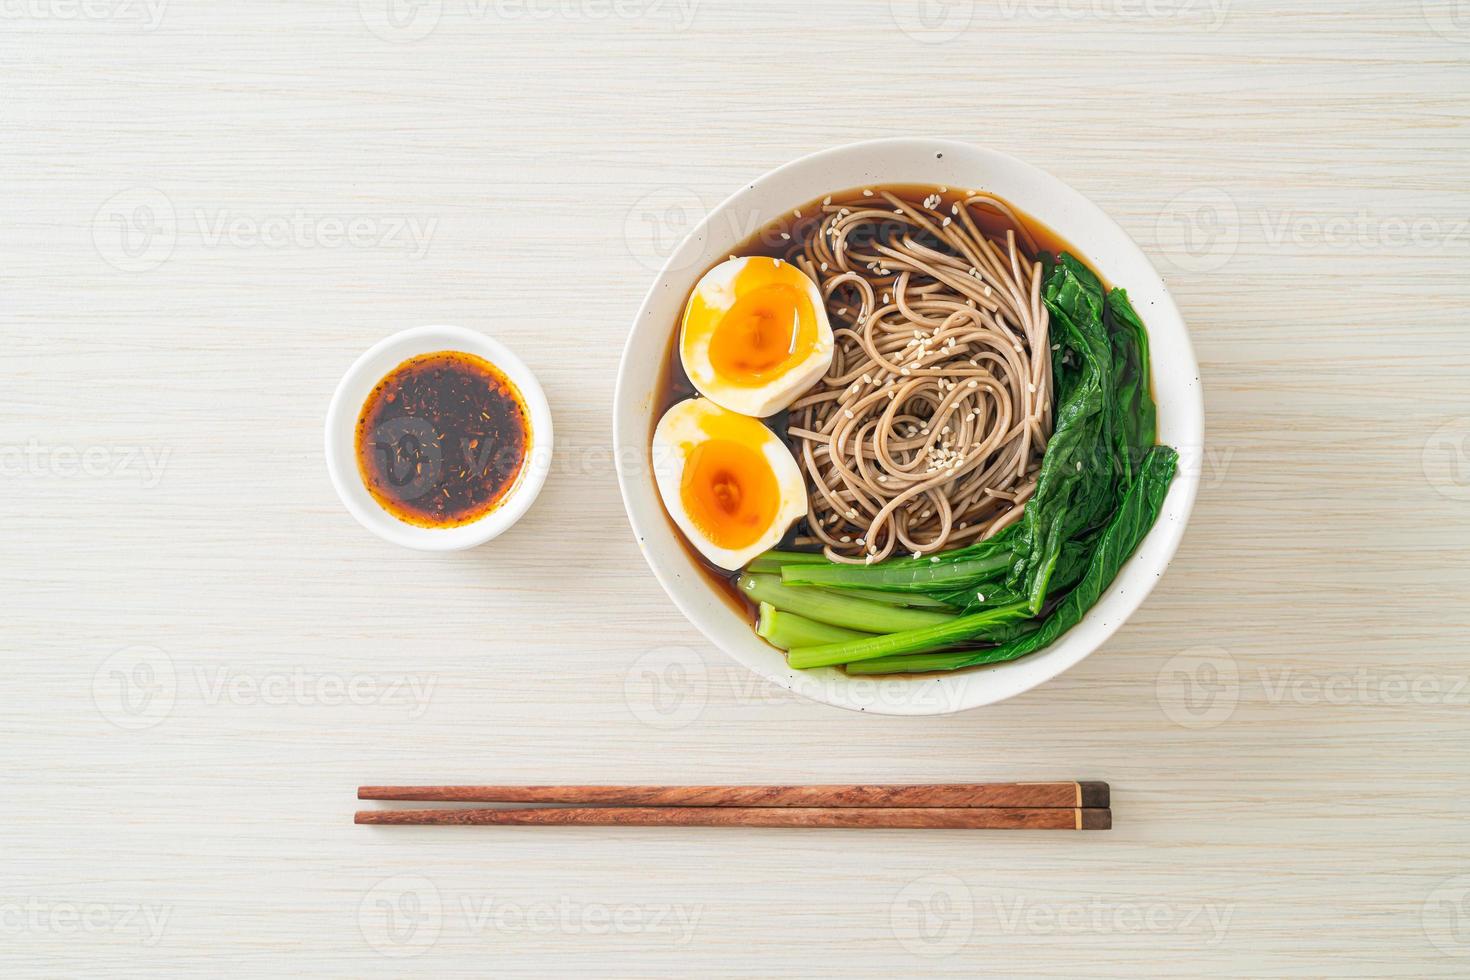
[(442, 439)]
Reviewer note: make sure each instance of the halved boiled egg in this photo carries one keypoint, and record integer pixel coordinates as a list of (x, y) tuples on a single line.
[(755, 335), (729, 483)]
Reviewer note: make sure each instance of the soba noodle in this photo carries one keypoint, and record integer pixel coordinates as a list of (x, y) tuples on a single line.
[(927, 431)]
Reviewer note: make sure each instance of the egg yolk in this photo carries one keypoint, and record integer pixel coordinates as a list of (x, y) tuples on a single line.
[(769, 329), (729, 492)]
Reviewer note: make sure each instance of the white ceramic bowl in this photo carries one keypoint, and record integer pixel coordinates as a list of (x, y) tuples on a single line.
[(358, 383), (1079, 222)]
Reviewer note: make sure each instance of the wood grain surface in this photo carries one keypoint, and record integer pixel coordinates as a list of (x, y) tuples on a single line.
[(207, 210)]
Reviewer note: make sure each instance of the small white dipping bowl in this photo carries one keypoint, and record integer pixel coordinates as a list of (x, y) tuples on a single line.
[(346, 406), (1098, 240)]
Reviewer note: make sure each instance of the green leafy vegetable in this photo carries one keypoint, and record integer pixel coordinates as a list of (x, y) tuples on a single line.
[(1099, 489), (1139, 510), (1136, 415), (988, 593), (951, 569), (917, 600), (993, 624), (772, 562), (836, 609), (787, 629), (1074, 488)]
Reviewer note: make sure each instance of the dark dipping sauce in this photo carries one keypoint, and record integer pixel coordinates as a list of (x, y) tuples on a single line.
[(780, 239), (442, 439)]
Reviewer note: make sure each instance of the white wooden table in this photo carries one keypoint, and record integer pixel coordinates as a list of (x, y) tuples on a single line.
[(207, 210)]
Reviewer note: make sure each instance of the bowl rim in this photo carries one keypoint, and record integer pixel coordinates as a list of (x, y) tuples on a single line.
[(341, 422), (1060, 656)]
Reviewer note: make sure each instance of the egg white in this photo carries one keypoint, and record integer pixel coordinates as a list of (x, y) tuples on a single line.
[(717, 288), (682, 429)]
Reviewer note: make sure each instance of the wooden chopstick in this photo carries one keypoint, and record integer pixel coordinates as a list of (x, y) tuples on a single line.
[(913, 818), (1062, 795)]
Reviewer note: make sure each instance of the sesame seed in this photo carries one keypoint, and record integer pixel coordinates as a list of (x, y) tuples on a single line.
[(867, 193)]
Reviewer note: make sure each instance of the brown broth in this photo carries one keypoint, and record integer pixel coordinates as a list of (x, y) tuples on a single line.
[(675, 386), (441, 439)]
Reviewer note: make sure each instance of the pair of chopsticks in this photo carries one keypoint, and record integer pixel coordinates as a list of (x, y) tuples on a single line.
[(938, 806)]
